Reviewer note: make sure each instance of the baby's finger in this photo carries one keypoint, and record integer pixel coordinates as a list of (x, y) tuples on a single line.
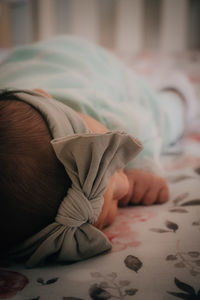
[(163, 195), (138, 193), (151, 196)]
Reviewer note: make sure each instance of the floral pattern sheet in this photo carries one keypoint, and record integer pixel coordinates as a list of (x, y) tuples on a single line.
[(156, 249)]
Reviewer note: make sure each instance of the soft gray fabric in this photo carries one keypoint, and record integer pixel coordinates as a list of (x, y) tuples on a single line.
[(89, 159)]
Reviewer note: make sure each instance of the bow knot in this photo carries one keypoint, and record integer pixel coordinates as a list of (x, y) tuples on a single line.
[(76, 210)]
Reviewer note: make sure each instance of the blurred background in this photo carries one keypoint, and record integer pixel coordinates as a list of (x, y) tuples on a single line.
[(125, 26)]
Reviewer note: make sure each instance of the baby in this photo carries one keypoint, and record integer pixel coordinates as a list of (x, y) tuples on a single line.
[(64, 173)]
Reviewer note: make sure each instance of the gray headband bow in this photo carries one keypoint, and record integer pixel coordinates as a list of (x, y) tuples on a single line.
[(89, 159)]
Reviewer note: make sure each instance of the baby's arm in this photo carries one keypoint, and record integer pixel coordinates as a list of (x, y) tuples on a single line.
[(145, 188)]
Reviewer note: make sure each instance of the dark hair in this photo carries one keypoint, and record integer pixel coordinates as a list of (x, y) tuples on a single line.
[(32, 180)]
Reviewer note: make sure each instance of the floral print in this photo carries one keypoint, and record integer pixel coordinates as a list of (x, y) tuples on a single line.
[(11, 283), (189, 291), (110, 286), (122, 233)]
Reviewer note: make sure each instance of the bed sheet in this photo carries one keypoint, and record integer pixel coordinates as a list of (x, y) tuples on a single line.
[(156, 249)]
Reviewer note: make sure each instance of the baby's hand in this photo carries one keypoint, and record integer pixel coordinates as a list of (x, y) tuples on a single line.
[(145, 188)]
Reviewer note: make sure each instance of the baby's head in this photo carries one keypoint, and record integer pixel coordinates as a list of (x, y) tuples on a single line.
[(61, 176), (32, 180)]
